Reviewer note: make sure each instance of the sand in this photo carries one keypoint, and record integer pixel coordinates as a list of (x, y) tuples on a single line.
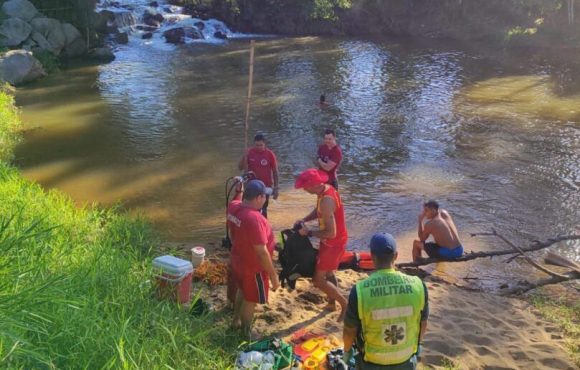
[(470, 329)]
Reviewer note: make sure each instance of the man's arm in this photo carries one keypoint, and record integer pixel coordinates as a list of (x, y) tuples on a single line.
[(309, 217), (328, 165), (275, 188), (423, 330), (238, 191), (348, 337), (266, 263), (327, 208), (351, 321), (423, 231), (243, 164), (424, 314)]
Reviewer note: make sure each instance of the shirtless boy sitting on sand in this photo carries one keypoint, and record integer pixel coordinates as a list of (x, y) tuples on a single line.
[(440, 225)]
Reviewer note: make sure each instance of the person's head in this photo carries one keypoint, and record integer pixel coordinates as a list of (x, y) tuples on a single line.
[(322, 98), (260, 142), (312, 181), (255, 193), (431, 208), (329, 137), (383, 250)]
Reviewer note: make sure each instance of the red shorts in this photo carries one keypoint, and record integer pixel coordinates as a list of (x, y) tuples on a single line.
[(329, 255), (254, 287)]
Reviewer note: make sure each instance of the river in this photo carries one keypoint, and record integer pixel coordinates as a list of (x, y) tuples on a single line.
[(494, 137)]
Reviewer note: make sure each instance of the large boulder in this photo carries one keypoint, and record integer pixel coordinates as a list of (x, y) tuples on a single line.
[(14, 31), (22, 9), (102, 54), (104, 22), (40, 41), (19, 66), (70, 33), (52, 31), (152, 18), (75, 49), (75, 44), (175, 35)]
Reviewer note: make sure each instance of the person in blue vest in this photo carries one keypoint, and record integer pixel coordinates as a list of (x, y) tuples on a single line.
[(387, 313)]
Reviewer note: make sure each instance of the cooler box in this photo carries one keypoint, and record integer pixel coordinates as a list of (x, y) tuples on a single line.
[(173, 278)]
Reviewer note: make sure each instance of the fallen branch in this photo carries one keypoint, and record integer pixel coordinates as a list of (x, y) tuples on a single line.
[(528, 259), (554, 259), (529, 286), (536, 245)]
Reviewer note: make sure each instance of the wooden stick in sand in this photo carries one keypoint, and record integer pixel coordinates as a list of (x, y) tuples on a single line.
[(249, 98)]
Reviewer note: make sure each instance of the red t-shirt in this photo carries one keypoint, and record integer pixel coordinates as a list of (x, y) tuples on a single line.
[(334, 154), (341, 233), (262, 163), (247, 228)]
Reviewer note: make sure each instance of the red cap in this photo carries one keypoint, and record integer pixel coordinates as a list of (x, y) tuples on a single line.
[(310, 177)]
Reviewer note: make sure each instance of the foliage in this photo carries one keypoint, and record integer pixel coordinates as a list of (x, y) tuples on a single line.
[(566, 315), (450, 364), (76, 12), (76, 291), (9, 123), (76, 287), (326, 9), (49, 61)]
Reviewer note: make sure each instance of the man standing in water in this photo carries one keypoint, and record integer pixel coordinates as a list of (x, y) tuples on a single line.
[(329, 157), (440, 225), (387, 313), (262, 162), (332, 233), (250, 257)]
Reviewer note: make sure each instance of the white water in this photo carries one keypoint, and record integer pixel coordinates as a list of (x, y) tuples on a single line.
[(129, 14)]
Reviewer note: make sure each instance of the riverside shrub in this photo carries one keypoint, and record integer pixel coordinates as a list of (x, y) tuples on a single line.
[(9, 123)]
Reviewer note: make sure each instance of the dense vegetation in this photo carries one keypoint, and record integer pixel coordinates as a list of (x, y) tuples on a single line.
[(77, 12), (76, 285), (494, 20)]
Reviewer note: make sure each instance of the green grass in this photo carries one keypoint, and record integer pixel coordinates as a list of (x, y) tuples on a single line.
[(566, 315), (9, 123), (49, 61), (76, 289)]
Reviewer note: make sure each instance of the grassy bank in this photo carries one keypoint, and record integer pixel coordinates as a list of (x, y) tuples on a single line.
[(565, 314), (76, 288)]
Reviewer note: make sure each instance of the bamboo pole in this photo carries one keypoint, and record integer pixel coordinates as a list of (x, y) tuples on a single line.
[(247, 123)]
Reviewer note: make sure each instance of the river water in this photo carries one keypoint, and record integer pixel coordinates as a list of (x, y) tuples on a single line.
[(494, 137)]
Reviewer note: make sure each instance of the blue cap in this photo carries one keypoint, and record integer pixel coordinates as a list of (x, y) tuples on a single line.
[(382, 244), (255, 188)]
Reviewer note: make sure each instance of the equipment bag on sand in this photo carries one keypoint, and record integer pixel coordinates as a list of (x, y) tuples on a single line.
[(283, 352), (297, 258), (358, 261)]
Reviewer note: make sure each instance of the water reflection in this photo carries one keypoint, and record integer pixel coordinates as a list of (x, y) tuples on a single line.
[(161, 130)]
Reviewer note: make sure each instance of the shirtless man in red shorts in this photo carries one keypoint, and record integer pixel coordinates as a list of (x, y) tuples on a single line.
[(332, 233)]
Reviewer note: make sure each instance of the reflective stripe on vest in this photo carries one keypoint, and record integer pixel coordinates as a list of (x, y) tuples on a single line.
[(389, 307)]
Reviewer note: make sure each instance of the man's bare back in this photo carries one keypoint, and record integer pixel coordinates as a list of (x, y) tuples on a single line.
[(443, 230)]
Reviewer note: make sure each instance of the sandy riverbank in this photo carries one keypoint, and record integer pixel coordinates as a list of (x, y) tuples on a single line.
[(472, 330)]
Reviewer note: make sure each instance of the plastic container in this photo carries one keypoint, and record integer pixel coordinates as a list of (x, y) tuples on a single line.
[(173, 278), (197, 255), (311, 364)]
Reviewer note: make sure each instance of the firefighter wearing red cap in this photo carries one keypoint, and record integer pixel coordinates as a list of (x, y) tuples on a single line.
[(332, 232)]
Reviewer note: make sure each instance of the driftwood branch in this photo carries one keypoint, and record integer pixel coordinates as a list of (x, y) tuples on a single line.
[(528, 259), (536, 245), (529, 286)]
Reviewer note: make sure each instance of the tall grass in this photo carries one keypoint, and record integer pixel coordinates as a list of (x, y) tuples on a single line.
[(76, 290), (9, 123)]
